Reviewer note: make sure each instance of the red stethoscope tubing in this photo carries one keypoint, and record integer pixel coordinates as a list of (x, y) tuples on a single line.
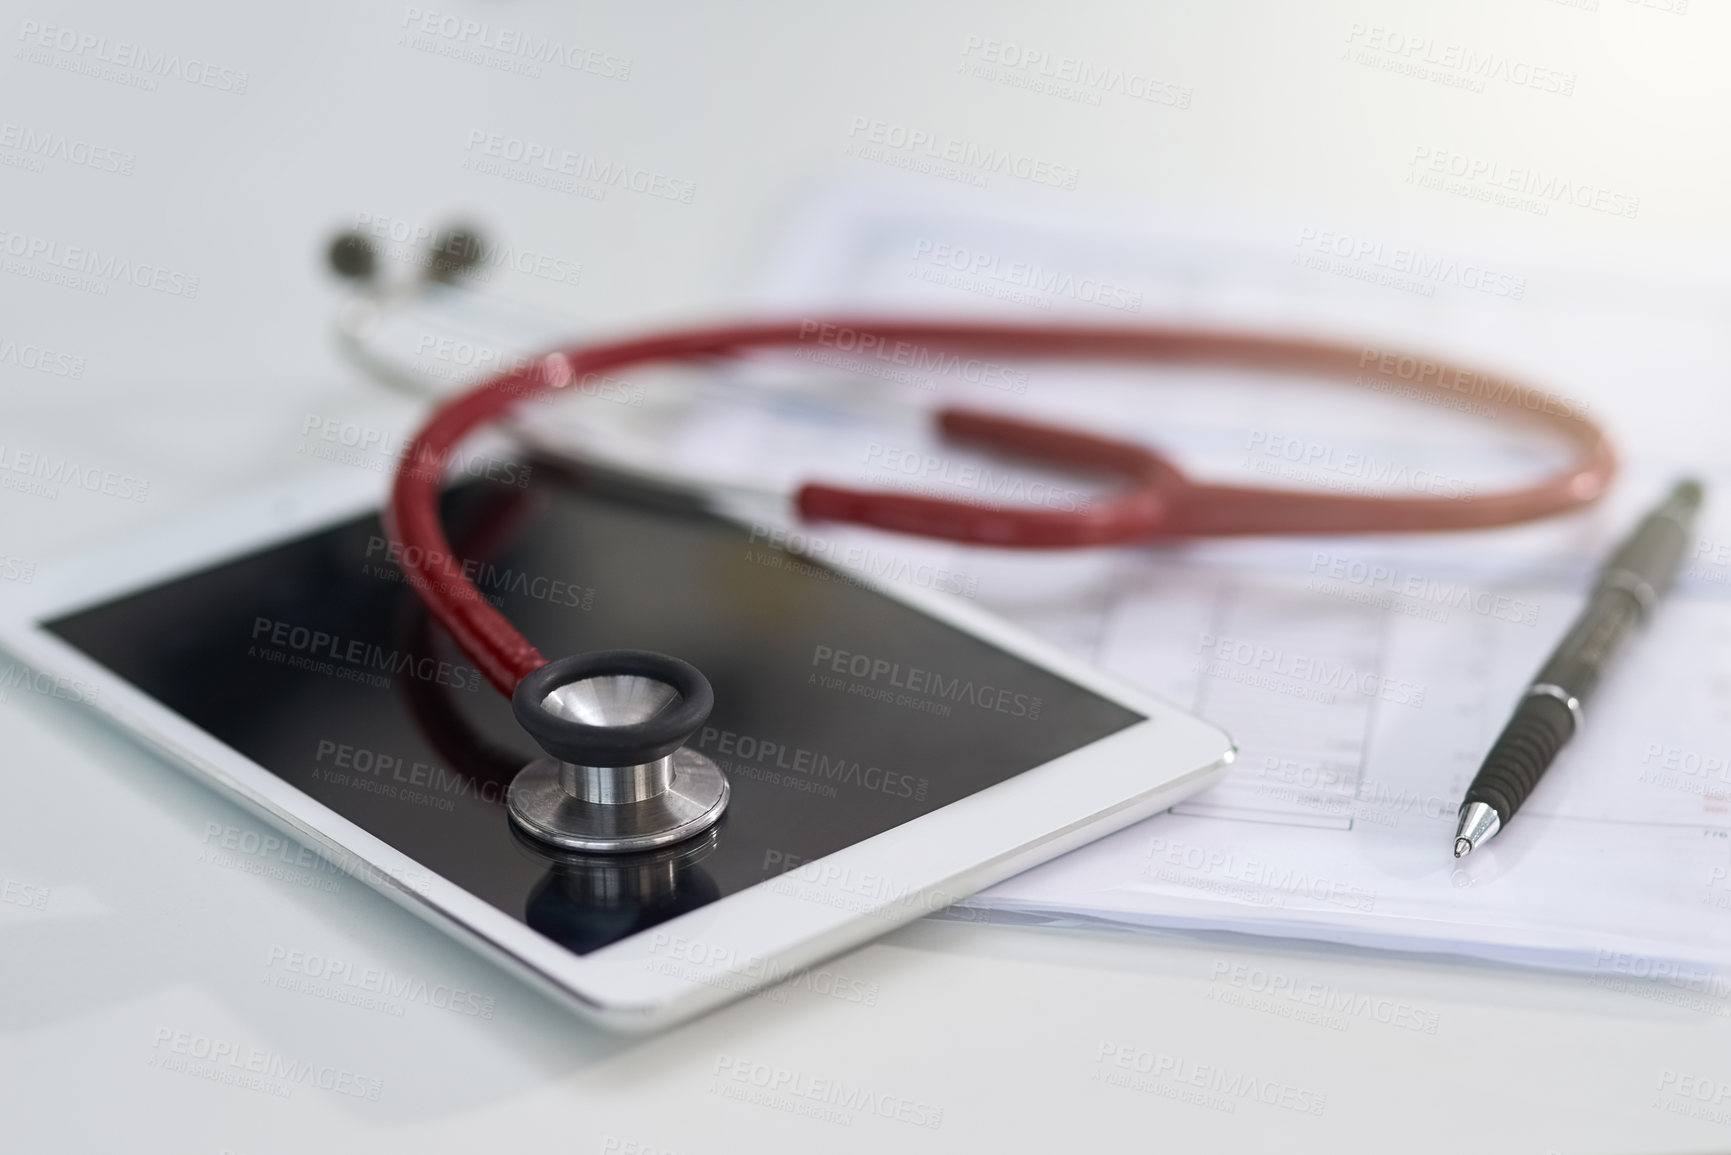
[(1159, 503)]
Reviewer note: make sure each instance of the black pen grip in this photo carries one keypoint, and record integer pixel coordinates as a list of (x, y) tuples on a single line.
[(1523, 751)]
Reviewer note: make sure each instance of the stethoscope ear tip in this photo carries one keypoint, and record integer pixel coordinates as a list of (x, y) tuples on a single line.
[(455, 251), (351, 257)]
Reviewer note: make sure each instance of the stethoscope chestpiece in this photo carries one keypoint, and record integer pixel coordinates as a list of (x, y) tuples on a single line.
[(618, 776)]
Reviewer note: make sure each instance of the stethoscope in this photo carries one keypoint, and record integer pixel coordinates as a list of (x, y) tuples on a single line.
[(618, 773)]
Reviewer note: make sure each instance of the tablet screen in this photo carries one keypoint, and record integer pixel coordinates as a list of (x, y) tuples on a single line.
[(839, 713)]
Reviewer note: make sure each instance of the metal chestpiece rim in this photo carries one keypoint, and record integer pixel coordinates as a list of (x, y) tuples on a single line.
[(617, 777)]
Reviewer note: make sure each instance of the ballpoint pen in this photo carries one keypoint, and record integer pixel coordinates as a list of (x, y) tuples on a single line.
[(1549, 713)]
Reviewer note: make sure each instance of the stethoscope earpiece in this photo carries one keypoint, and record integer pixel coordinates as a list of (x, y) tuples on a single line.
[(618, 776), (454, 252), (352, 257)]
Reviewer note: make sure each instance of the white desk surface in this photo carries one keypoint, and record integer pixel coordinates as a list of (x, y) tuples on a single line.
[(142, 933)]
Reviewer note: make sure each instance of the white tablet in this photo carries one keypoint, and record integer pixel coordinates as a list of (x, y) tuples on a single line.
[(889, 749)]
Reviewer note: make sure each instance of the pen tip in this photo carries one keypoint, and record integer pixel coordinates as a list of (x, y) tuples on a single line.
[(1463, 847), (1688, 491)]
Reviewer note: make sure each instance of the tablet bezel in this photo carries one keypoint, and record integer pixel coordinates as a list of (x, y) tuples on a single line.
[(705, 957)]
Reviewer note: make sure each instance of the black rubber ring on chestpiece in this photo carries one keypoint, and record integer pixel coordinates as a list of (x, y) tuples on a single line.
[(626, 745)]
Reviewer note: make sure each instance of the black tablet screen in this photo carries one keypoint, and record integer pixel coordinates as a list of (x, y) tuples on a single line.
[(840, 713)]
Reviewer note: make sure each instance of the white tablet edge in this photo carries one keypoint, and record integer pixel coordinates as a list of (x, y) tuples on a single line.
[(710, 955)]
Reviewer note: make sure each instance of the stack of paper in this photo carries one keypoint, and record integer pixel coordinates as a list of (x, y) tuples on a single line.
[(1362, 679)]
